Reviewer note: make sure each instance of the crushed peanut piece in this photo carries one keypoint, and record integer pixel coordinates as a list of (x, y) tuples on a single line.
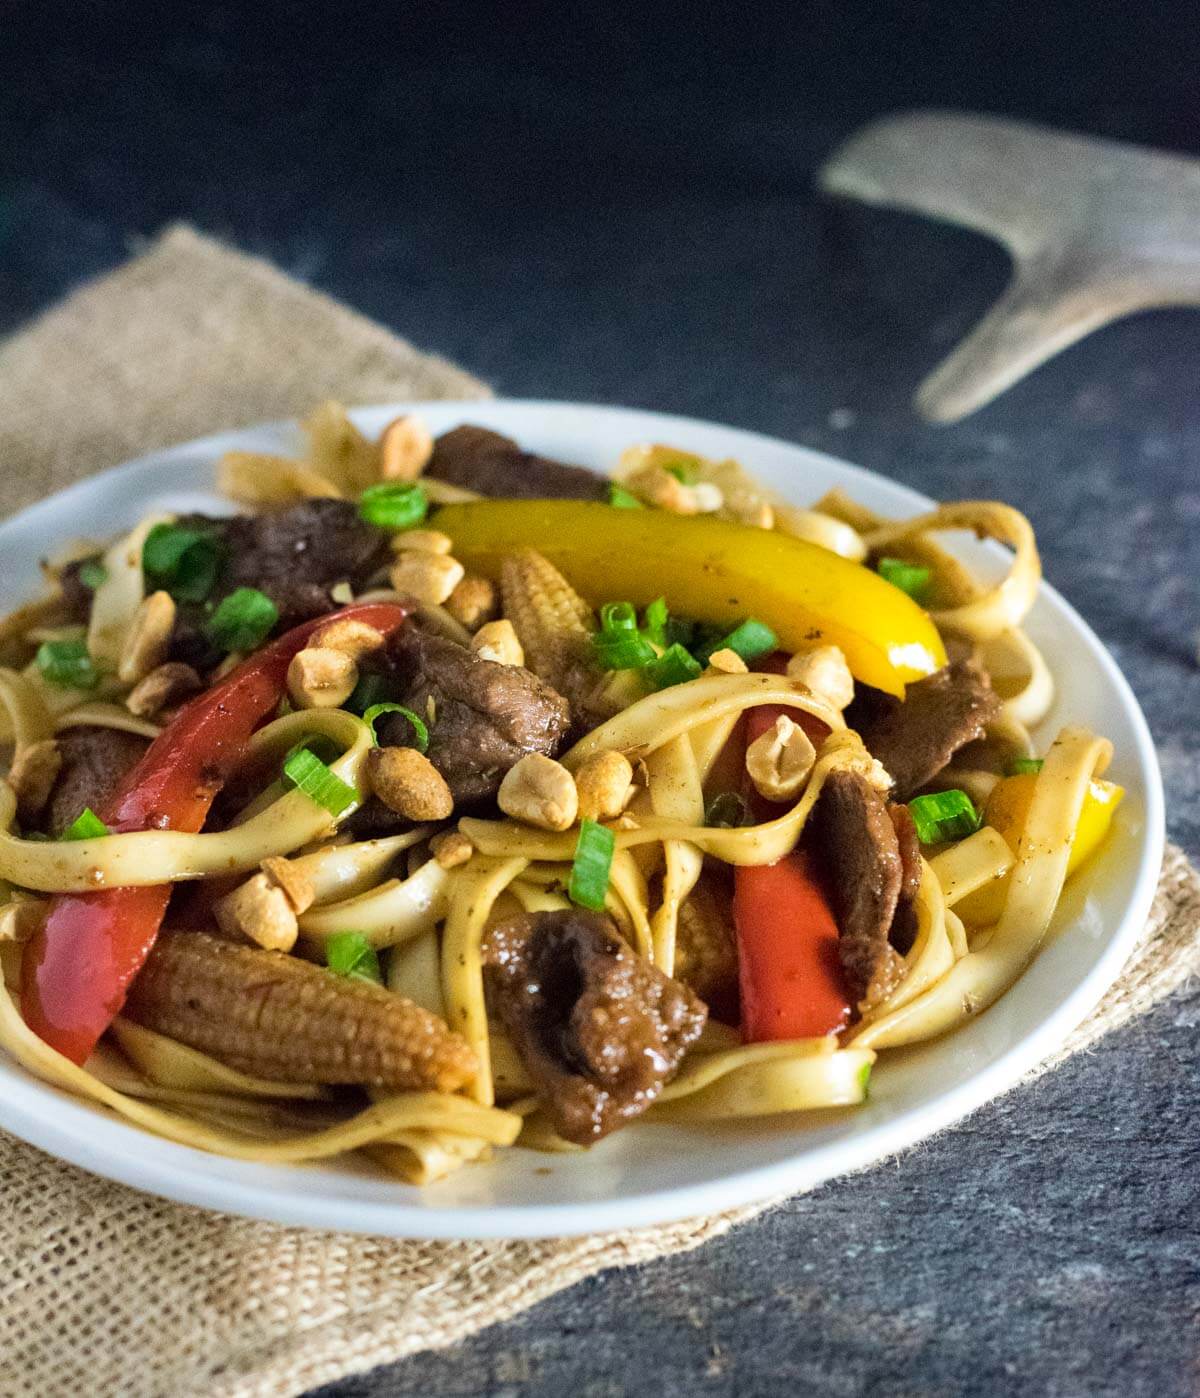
[(162, 687), (321, 678), (21, 918), (429, 577), (473, 602), (660, 487), (293, 880), (34, 771), (451, 849), (258, 911), (626, 822), (421, 541), (148, 639), (605, 784), (780, 761), (408, 783), (540, 792), (825, 672), (404, 449), (497, 640), (349, 635), (727, 662)]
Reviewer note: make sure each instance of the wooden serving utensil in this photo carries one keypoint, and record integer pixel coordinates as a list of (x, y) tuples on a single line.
[(1096, 229)]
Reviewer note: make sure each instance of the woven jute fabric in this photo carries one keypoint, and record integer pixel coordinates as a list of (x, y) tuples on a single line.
[(108, 1292)]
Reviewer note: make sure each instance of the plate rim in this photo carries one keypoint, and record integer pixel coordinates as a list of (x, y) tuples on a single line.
[(186, 1180)]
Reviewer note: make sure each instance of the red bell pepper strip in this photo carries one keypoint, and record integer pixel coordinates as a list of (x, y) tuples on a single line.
[(789, 972), (76, 971)]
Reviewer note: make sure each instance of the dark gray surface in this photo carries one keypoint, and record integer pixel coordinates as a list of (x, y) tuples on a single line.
[(621, 210)]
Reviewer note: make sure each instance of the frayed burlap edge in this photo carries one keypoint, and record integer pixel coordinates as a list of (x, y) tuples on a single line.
[(107, 1291)]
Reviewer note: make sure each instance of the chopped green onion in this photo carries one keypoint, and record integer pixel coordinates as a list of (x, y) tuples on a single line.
[(87, 825), (92, 573), (183, 561), (67, 663), (728, 811), (864, 1077), (372, 688), (588, 884), (673, 666), (618, 617), (350, 954), (621, 499), (749, 640), (908, 577), (244, 620), (1024, 766), (621, 650), (654, 621), (393, 505), (684, 472), (944, 815), (305, 770), (418, 727)]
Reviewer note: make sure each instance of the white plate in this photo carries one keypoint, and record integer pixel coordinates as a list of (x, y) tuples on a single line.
[(648, 1173)]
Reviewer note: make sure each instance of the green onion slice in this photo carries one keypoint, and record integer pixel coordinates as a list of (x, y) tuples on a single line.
[(351, 955), (418, 725), (908, 577), (655, 620), (749, 640), (302, 768), (183, 561), (87, 825), (92, 573), (244, 620), (1024, 766), (621, 499), (393, 505), (621, 650), (67, 663), (944, 815), (673, 666), (588, 884), (727, 811), (684, 472), (618, 618)]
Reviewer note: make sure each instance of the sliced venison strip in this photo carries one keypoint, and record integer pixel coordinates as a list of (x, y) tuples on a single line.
[(94, 760), (599, 1029), (916, 738), (855, 840), (476, 458)]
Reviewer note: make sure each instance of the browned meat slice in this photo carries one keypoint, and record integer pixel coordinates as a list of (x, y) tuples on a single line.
[(599, 1029), (904, 925), (485, 716), (93, 762), (487, 462), (917, 738), (857, 845), (77, 597)]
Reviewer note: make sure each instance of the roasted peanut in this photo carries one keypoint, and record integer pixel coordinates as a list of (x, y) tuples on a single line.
[(34, 771), (604, 784), (660, 487), (258, 911), (825, 672), (21, 918), (404, 449), (421, 541), (541, 792), (320, 678), (496, 640), (429, 577), (409, 784), (349, 635), (162, 687), (473, 602), (148, 639), (298, 886), (780, 761), (451, 849), (727, 662)]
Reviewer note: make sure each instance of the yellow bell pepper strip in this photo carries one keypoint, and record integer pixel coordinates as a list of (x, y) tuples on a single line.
[(1007, 811), (711, 570)]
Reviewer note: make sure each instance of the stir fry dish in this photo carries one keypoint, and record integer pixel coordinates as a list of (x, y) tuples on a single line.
[(450, 798)]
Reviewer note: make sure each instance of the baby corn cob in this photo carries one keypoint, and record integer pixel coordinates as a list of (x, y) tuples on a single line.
[(705, 950), (278, 1017)]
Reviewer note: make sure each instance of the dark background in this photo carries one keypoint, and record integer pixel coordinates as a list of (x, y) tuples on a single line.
[(615, 204)]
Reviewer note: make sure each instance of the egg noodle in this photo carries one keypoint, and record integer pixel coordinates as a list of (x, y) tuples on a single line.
[(429, 922)]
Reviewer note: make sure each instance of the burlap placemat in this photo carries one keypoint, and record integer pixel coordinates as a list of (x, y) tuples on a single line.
[(109, 1292)]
